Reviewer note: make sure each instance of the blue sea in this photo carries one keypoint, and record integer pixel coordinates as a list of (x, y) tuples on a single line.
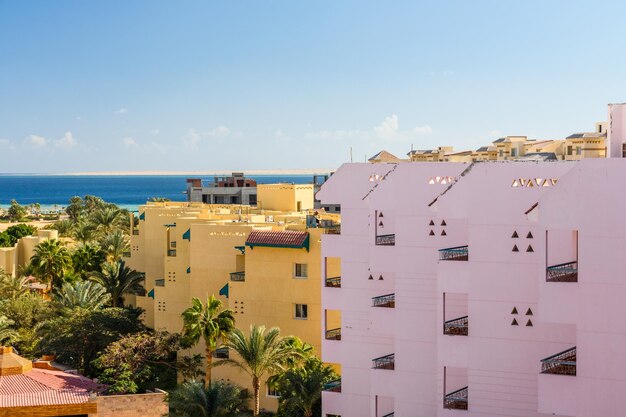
[(54, 191)]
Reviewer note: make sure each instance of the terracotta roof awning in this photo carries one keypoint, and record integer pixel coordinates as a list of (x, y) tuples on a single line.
[(278, 239)]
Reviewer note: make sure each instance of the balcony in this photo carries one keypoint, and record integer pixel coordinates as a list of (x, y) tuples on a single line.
[(457, 253), (221, 353), (563, 363), (567, 272), (456, 327), (333, 386), (386, 240), (159, 282), (333, 334), (456, 400), (388, 301), (334, 229), (385, 362), (238, 276), (333, 282), (171, 252)]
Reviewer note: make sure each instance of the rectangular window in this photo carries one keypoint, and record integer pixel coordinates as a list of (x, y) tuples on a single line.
[(501, 153), (301, 311), (513, 152), (579, 150), (301, 271), (569, 150), (272, 391)]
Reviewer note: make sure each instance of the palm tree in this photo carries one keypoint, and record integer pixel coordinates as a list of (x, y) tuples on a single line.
[(118, 279), (87, 257), (8, 335), (51, 260), (83, 231), (191, 399), (12, 287), (84, 294), (206, 321), (262, 353), (301, 388), (65, 227), (115, 245), (106, 220)]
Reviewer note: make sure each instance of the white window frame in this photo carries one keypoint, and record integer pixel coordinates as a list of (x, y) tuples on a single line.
[(269, 394), (295, 271)]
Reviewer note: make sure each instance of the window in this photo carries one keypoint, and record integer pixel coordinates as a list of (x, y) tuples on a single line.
[(301, 311), (301, 271), (579, 150), (501, 153), (272, 391), (513, 152), (569, 150)]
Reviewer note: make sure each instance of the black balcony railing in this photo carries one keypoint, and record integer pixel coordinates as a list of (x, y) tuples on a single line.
[(238, 276), (563, 363), (458, 253), (386, 240), (333, 386), (385, 362), (334, 282), (159, 282), (221, 353), (456, 400), (456, 327), (567, 272), (388, 301), (333, 334), (171, 252)]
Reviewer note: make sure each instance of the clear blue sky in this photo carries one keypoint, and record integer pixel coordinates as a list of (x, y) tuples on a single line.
[(202, 85)]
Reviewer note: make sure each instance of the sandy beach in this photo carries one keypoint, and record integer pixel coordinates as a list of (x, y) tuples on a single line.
[(38, 224)]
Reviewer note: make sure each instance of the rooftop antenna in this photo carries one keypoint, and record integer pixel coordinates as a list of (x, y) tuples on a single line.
[(350, 154)]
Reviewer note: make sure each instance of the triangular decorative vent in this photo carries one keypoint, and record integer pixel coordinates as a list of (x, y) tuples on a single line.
[(432, 233), (515, 249), (380, 223), (370, 277), (530, 249), (432, 223), (514, 311), (381, 214), (529, 323), (443, 223), (514, 323), (380, 278), (515, 235), (529, 235), (443, 233), (529, 312)]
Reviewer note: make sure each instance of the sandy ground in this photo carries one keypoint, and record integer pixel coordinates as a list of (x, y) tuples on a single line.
[(38, 224)]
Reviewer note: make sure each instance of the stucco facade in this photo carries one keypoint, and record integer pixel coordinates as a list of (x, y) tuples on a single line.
[(492, 294)]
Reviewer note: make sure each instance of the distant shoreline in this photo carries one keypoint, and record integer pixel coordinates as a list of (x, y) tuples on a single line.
[(179, 173)]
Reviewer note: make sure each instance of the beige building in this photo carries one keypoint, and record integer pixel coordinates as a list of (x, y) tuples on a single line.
[(263, 262), (11, 259), (575, 147)]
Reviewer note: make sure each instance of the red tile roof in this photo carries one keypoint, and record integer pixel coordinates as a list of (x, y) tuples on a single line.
[(43, 387), (274, 238)]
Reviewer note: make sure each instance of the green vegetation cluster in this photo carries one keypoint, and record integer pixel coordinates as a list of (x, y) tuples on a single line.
[(79, 315)]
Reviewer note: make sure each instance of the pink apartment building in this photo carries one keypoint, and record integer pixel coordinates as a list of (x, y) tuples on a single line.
[(485, 289)]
